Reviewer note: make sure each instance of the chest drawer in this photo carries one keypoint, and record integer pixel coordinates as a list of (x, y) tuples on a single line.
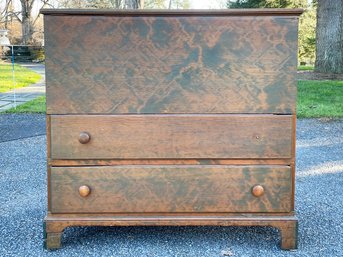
[(170, 136), (171, 189)]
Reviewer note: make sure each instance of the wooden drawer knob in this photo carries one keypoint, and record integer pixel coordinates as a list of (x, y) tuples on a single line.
[(257, 190), (84, 190), (84, 137)]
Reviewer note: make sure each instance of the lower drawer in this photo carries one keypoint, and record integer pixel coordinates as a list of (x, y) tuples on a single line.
[(172, 189)]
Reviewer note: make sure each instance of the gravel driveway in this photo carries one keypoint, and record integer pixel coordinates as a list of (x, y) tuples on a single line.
[(319, 204)]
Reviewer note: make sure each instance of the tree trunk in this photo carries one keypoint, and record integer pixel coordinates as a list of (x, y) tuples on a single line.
[(5, 12), (26, 23), (329, 36), (27, 31), (134, 4)]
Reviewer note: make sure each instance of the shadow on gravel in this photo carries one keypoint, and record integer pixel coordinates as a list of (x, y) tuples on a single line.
[(17, 126)]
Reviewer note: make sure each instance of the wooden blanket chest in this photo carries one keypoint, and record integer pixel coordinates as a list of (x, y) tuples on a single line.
[(171, 118)]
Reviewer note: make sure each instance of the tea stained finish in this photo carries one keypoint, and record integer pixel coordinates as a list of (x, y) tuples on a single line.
[(111, 162), (155, 64), (171, 136), (171, 118), (170, 189)]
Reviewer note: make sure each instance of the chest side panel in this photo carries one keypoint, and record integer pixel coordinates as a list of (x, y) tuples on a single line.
[(109, 64)]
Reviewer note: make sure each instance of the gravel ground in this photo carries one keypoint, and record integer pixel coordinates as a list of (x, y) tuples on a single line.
[(319, 204), (13, 126)]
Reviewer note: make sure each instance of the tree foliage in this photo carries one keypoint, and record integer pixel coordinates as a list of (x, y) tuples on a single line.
[(307, 36), (266, 3), (152, 4), (124, 4), (179, 4), (307, 22), (167, 4), (24, 15), (101, 4)]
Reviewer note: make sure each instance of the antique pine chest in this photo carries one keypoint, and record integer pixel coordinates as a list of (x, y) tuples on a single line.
[(171, 118)]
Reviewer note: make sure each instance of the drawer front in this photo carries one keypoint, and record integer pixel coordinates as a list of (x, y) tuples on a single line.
[(98, 64), (171, 136), (172, 189)]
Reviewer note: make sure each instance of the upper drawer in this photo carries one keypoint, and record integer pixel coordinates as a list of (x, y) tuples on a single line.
[(195, 64), (170, 136)]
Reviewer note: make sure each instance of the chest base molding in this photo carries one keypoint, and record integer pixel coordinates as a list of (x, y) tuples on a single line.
[(54, 225)]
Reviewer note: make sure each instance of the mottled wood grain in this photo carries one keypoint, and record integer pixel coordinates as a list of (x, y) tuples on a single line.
[(171, 189), (171, 136), (289, 235), (197, 64), (110, 162), (209, 78)]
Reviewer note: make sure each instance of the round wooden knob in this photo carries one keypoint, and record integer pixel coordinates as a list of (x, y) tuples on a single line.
[(84, 137), (257, 190), (84, 191)]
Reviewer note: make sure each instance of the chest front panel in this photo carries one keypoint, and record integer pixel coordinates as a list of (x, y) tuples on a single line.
[(170, 64)]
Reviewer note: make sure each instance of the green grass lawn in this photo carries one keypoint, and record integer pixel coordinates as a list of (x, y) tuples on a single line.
[(305, 67), (316, 99), (23, 77), (35, 106)]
